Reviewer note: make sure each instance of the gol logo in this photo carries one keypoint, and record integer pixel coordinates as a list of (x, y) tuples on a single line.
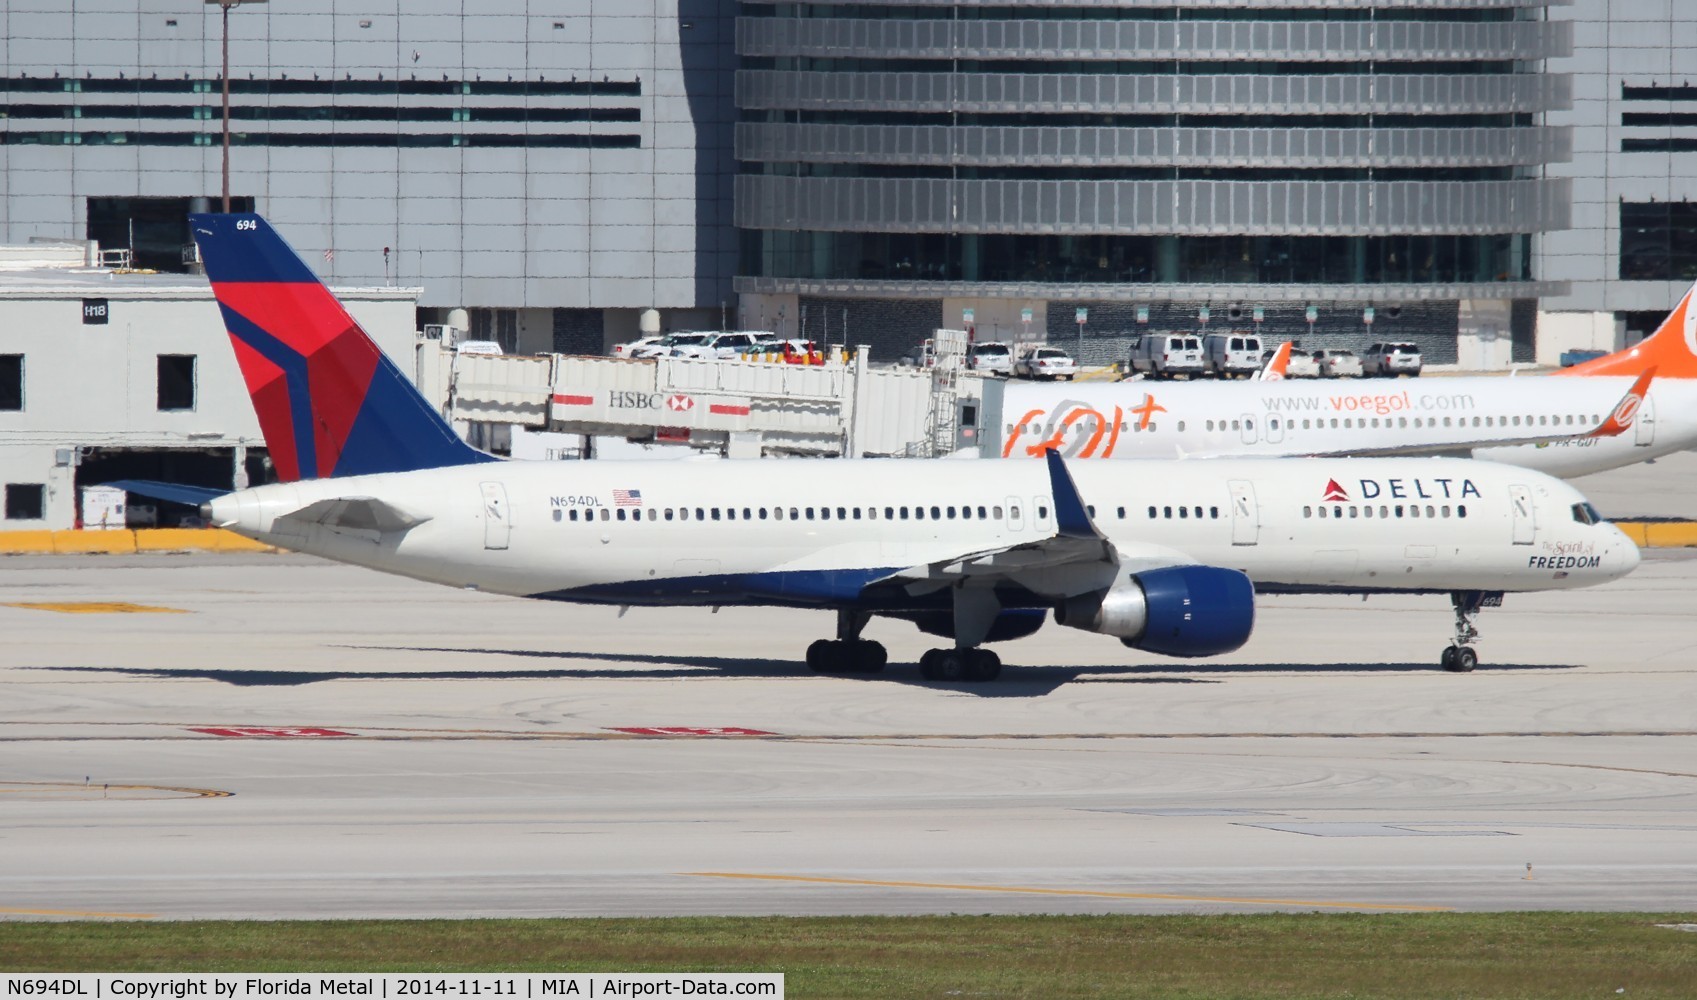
[(679, 403)]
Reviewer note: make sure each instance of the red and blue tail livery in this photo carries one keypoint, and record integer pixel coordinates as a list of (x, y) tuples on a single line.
[(330, 403)]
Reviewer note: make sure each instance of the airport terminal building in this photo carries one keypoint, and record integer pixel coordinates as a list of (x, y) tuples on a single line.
[(1434, 170)]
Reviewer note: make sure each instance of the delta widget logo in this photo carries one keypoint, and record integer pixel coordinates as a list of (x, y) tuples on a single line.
[(1335, 493)]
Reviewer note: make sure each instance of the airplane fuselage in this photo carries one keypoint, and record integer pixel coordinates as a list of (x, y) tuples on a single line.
[(821, 532), (1299, 417)]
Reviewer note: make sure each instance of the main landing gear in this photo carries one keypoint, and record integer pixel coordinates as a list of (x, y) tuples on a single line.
[(848, 653), (1459, 657), (956, 664)]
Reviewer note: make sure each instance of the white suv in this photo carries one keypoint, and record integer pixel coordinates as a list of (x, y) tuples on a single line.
[(727, 346), (991, 356), (1391, 358)]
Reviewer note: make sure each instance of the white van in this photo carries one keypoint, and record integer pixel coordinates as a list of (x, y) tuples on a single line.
[(1164, 355), (1232, 355)]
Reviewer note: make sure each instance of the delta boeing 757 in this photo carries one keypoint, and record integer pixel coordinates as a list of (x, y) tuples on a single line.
[(1631, 406), (1165, 556)]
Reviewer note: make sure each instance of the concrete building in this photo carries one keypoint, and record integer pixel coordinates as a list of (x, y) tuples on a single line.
[(1358, 170), (556, 169), (109, 376), (1631, 250)]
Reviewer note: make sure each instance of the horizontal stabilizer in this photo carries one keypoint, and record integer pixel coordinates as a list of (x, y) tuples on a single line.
[(174, 492), (356, 514)]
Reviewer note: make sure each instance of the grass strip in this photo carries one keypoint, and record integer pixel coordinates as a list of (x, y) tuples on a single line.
[(1215, 957)]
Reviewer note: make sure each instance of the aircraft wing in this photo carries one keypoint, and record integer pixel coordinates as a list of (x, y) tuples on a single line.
[(1618, 422), (356, 514), (1076, 558)]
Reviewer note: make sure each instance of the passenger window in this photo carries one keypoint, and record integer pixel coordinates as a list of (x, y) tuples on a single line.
[(748, 515), (1413, 510), (1121, 514), (1307, 511), (1184, 512), (1399, 510), (1013, 512), (981, 513), (1322, 513), (1384, 511), (621, 514), (570, 515), (810, 513), (1461, 510), (777, 513), (1353, 512), (1166, 512), (794, 514), (1367, 511), (890, 513), (668, 513), (715, 513), (1199, 513), (653, 515), (1237, 425), (936, 513), (1447, 422), (1209, 425), (1431, 511), (904, 513), (1181, 425), (856, 513), (842, 513), (1445, 509), (1090, 509), (1214, 512), (1151, 512), (604, 514), (1042, 513), (763, 513), (701, 513)]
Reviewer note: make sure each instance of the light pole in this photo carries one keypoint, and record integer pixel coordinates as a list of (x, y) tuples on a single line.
[(224, 78)]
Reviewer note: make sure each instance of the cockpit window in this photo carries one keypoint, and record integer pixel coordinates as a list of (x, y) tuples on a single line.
[(1584, 513)]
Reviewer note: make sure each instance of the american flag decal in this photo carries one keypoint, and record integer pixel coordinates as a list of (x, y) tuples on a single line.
[(627, 498)]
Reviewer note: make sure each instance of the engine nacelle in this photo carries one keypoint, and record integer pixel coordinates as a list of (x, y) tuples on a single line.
[(1177, 611)]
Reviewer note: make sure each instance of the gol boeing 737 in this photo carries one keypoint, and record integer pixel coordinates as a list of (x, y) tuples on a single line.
[(1165, 556), (1620, 409)]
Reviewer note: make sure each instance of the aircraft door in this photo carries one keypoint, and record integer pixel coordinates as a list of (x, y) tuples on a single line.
[(1524, 513), (1248, 422), (1246, 516), (1644, 424), (497, 524)]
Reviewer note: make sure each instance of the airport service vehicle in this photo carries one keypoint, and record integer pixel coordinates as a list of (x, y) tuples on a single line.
[(1165, 556), (1231, 355), (991, 357), (1338, 362), (1165, 355), (1045, 362), (1390, 358)]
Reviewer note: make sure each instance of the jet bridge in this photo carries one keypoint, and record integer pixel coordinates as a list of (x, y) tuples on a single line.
[(737, 408)]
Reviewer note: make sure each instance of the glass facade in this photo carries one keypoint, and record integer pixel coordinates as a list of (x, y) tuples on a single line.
[(1150, 142)]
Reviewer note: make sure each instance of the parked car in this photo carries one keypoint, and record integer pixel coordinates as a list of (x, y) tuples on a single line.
[(726, 346), (1579, 356), (663, 347), (1046, 362), (1231, 355), (1301, 364), (1165, 355), (629, 349), (1338, 362), (1390, 358), (991, 356)]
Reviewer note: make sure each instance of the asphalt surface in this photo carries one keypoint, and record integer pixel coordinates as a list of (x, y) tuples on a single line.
[(291, 738)]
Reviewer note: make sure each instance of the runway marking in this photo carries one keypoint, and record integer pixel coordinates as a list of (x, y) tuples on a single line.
[(284, 732), (689, 731), (16, 911), (1095, 893), (67, 789), (95, 607)]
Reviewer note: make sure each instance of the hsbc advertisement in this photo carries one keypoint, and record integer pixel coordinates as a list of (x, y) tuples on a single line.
[(635, 407)]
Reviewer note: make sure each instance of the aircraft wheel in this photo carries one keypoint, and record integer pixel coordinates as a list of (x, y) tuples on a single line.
[(1465, 660), (869, 656), (983, 665), (1447, 660), (823, 657), (928, 665)]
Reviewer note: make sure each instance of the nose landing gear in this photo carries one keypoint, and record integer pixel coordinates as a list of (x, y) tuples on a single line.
[(1459, 657)]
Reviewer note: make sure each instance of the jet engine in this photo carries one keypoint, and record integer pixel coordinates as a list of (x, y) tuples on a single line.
[(1176, 611)]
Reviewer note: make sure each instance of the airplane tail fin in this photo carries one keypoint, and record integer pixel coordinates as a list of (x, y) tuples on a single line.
[(1274, 369), (1671, 351), (330, 403)]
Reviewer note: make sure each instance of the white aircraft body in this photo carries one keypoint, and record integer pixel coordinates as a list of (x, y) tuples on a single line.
[(1624, 408), (1166, 556)]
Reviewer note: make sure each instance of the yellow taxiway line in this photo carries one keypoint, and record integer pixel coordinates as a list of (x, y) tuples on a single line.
[(15, 911), (95, 608), (1097, 893)]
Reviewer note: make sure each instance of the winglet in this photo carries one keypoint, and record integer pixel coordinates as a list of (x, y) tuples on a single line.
[(1274, 369), (1071, 517), (1620, 420)]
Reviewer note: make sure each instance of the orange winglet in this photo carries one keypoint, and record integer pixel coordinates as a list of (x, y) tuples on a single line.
[(1277, 364), (1621, 419)]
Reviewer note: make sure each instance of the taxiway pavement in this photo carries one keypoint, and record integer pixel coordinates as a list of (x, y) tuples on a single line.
[(291, 738)]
